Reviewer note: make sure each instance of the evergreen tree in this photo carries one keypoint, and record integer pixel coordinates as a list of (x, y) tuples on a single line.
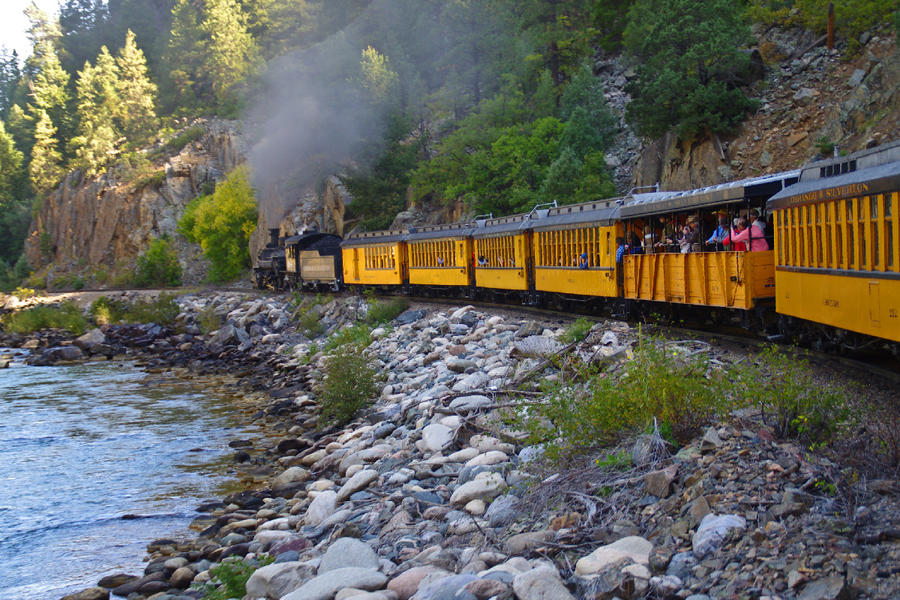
[(136, 93), (230, 53), (10, 73), (21, 128), (84, 25), (184, 55), (10, 167), (14, 213), (98, 103), (45, 168), (689, 65)]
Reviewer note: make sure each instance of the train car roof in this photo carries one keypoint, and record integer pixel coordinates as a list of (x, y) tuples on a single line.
[(375, 237), (653, 203), (502, 225), (431, 232), (603, 212), (870, 171), (309, 237)]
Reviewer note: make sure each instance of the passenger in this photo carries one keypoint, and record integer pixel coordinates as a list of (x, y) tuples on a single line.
[(752, 235), (440, 261), (500, 260), (634, 244), (721, 232), (482, 261), (583, 263), (758, 222), (621, 249), (689, 237)]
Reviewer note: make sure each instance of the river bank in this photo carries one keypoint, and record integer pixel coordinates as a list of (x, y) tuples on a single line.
[(429, 495)]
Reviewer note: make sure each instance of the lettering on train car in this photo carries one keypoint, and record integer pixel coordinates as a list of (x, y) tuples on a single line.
[(853, 189), (832, 303)]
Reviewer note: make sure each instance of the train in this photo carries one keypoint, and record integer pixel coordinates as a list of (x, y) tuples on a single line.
[(821, 265)]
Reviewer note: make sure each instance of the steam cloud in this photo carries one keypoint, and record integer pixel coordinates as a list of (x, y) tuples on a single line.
[(308, 122)]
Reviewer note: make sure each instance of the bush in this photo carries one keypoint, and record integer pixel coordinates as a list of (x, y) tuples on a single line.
[(358, 334), (208, 319), (792, 402), (191, 134), (662, 386), (106, 310), (158, 266), (229, 577), (222, 223), (65, 316), (67, 282), (385, 311), (349, 384), (578, 330), (162, 310)]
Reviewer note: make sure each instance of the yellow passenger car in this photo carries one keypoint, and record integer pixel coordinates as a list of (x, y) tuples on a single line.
[(837, 243), (503, 254), (375, 259), (670, 259), (441, 256), (575, 249)]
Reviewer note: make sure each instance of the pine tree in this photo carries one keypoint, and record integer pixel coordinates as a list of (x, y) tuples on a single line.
[(98, 103), (10, 73), (230, 52), (10, 166), (45, 168), (184, 55), (136, 93)]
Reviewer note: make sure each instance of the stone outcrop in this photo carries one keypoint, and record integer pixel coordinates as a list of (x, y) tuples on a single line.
[(110, 219)]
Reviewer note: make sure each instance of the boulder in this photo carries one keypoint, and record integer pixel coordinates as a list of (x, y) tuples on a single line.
[(348, 552), (94, 593), (90, 340), (478, 488), (712, 531), (326, 585), (276, 580), (628, 549), (292, 475), (359, 481), (320, 508), (437, 437), (405, 584), (542, 583)]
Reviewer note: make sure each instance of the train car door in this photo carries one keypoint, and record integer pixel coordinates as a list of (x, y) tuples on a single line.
[(356, 264), (528, 251)]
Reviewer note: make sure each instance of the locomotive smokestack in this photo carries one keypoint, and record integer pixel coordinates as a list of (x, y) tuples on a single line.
[(273, 237)]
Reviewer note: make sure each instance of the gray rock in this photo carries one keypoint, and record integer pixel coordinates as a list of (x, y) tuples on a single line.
[(856, 78), (502, 511), (830, 588), (470, 403), (447, 588), (94, 593), (278, 579), (681, 564), (712, 531), (320, 508), (437, 436), (348, 552), (90, 340), (410, 316), (765, 158), (357, 482), (326, 585), (542, 583)]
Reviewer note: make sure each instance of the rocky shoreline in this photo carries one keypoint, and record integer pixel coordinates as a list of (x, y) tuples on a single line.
[(429, 496)]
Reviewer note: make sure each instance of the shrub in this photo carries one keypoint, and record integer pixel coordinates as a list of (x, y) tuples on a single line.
[(358, 334), (158, 266), (162, 310), (385, 311), (229, 577), (106, 310), (65, 316), (661, 385), (222, 223), (349, 384), (208, 319), (191, 134), (578, 330), (67, 282), (791, 400)]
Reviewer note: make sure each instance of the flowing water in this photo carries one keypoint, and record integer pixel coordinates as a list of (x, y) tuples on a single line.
[(83, 446)]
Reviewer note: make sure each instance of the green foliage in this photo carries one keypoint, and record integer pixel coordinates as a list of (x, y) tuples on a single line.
[(578, 330), (191, 134), (161, 310), (229, 577), (208, 319), (45, 167), (67, 281), (381, 312), (852, 17), (792, 401), (158, 266), (358, 335), (107, 311), (661, 384), (689, 65), (222, 224), (349, 384), (824, 146), (66, 316), (136, 113)]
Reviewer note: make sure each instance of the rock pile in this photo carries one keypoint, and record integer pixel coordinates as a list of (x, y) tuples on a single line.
[(429, 496)]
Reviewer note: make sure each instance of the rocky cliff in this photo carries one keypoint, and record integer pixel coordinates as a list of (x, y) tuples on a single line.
[(101, 225), (810, 99)]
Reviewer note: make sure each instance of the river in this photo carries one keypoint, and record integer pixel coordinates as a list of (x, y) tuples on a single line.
[(83, 446)]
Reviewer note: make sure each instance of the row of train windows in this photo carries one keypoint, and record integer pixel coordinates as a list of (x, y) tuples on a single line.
[(858, 233), (496, 252), (564, 248), (438, 253), (379, 257)]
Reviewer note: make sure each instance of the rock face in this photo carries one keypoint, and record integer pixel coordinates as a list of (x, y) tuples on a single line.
[(109, 220)]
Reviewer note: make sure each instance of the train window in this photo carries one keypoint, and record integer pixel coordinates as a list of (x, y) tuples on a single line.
[(819, 248), (861, 233), (873, 228), (888, 232), (826, 208)]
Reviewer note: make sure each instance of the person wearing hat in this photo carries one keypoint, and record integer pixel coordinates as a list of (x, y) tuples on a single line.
[(583, 263)]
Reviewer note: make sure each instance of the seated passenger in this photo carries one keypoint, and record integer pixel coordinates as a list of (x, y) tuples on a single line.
[(687, 239), (721, 232), (440, 261), (752, 235), (482, 261), (583, 263)]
